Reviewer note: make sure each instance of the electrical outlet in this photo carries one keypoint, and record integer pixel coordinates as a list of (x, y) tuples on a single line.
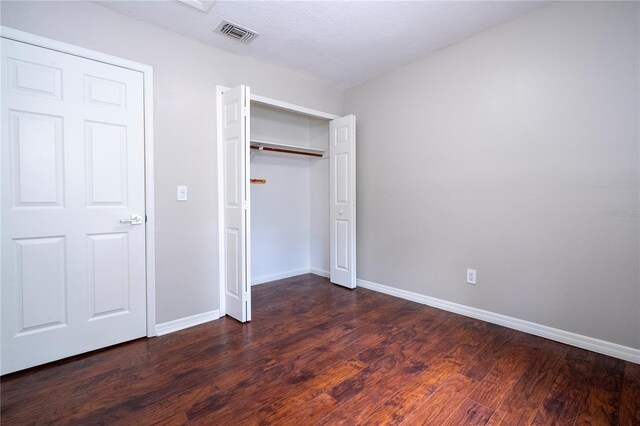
[(471, 276), (181, 193)]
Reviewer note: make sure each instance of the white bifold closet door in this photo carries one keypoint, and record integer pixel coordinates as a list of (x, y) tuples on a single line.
[(235, 164), (342, 204), (73, 273)]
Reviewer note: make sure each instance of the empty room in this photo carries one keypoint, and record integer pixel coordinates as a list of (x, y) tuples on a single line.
[(228, 212)]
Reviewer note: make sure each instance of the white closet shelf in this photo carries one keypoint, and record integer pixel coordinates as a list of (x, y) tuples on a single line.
[(286, 148)]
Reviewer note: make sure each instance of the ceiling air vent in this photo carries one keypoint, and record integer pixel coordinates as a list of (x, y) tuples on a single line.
[(237, 32)]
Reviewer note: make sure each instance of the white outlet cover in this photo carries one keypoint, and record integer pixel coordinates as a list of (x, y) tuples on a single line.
[(181, 193), (472, 276)]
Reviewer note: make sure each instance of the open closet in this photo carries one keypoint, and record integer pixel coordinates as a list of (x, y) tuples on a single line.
[(286, 195)]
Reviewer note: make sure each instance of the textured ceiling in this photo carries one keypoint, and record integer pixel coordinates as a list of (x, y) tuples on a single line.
[(345, 43)]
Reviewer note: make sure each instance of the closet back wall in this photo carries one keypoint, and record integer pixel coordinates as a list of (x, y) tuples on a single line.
[(319, 199), (279, 208), (290, 213), (185, 76)]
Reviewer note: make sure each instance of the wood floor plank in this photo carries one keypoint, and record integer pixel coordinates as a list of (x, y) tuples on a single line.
[(495, 340), (290, 402), (600, 408), (178, 418), (316, 353), (396, 409), (357, 410), (569, 391), (630, 398), (444, 401), (517, 412), (312, 411), (509, 365), (604, 392), (470, 413)]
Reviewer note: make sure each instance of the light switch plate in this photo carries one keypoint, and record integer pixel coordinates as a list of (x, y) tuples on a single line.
[(182, 193)]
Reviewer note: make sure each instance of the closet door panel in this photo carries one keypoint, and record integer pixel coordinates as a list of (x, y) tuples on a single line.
[(342, 171), (235, 136)]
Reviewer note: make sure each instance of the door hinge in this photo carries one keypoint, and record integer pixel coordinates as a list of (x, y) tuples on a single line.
[(145, 218), (245, 111), (245, 205)]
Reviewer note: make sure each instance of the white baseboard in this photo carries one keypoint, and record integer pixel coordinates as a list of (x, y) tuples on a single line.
[(320, 272), (279, 276), (182, 323), (600, 346)]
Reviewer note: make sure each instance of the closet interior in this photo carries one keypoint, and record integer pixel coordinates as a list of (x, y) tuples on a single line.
[(289, 194)]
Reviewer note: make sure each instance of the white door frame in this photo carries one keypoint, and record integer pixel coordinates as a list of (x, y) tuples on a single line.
[(259, 100), (147, 71)]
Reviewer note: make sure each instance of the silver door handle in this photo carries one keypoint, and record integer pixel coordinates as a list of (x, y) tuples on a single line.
[(135, 219)]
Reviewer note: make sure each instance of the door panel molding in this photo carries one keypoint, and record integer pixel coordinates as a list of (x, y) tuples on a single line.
[(147, 73)]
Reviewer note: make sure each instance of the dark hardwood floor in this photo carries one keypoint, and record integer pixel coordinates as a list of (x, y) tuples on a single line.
[(316, 353)]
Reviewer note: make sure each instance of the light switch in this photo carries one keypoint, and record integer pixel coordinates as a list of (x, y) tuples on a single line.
[(182, 193)]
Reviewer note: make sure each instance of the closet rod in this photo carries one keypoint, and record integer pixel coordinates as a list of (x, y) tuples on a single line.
[(287, 151)]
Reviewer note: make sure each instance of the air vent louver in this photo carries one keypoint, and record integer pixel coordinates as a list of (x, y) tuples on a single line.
[(236, 32)]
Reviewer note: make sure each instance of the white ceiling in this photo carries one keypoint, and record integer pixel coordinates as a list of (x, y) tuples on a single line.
[(343, 42)]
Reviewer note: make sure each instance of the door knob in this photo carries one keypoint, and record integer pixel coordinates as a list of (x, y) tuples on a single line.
[(341, 212), (135, 219)]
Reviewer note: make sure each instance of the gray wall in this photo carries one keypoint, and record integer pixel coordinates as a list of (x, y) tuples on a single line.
[(508, 153), (185, 75)]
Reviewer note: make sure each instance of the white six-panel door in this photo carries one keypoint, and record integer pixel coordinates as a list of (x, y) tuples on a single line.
[(235, 164), (342, 203), (73, 274)]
